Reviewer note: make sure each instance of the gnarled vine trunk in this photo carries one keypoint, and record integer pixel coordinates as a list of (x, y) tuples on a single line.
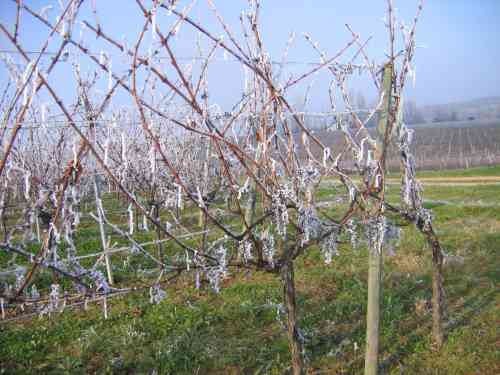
[(438, 299), (294, 343)]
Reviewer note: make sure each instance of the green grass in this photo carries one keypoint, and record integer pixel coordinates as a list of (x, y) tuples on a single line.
[(239, 331)]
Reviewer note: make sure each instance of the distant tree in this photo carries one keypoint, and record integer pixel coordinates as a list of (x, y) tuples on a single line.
[(361, 101), (412, 114), (441, 115), (454, 116)]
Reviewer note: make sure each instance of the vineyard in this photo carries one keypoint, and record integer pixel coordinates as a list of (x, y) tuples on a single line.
[(462, 145), (146, 228), (240, 330), (453, 145)]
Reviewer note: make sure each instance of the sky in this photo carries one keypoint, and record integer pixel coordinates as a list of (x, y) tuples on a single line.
[(457, 57)]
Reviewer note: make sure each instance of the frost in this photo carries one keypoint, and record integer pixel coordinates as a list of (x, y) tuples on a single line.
[(410, 188), (214, 277), (217, 272), (329, 247), (245, 250), (221, 255), (178, 197), (306, 177), (54, 303), (351, 229), (351, 190), (156, 294), (392, 237), (130, 219), (424, 219), (375, 233), (99, 280), (326, 156), (268, 248), (309, 223), (34, 294), (244, 189), (279, 209)]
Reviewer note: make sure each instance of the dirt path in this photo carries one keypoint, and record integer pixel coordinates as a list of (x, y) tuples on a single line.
[(447, 181), (462, 179), (454, 181)]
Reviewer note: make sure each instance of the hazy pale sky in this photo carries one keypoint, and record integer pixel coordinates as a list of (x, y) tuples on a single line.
[(458, 56)]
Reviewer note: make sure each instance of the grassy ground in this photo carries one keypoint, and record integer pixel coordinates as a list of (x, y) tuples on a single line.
[(240, 332)]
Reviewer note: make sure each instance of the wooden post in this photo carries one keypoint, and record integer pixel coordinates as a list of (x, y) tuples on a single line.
[(159, 236), (373, 313), (37, 226), (375, 257), (102, 230), (251, 206), (203, 188)]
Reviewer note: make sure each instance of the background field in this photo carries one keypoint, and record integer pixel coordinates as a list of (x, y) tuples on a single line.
[(441, 146)]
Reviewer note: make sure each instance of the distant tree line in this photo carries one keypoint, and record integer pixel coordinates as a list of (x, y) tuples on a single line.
[(479, 109)]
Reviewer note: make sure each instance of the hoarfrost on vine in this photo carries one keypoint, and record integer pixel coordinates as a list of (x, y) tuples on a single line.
[(392, 237), (54, 303), (156, 294), (245, 250), (351, 230), (309, 223), (221, 255), (424, 219), (306, 177), (268, 248), (244, 189), (19, 272), (99, 280), (352, 190), (375, 233), (214, 276), (329, 246), (279, 209), (178, 197), (326, 156), (34, 293), (215, 273)]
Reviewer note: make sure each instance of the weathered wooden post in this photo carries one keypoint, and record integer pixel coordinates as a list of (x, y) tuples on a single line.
[(203, 188), (102, 230), (374, 256), (159, 233)]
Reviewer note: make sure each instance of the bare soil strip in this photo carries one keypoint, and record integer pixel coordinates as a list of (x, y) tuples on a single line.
[(449, 181), (454, 181)]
